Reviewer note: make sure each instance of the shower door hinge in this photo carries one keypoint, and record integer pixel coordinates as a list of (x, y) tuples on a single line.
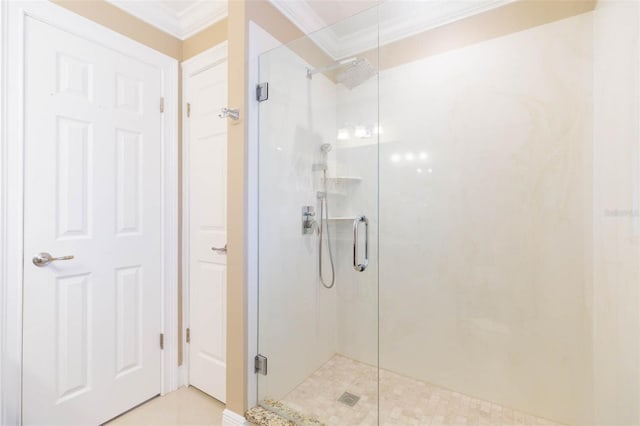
[(161, 340), (161, 104), (262, 92), (260, 364), (188, 335), (188, 109)]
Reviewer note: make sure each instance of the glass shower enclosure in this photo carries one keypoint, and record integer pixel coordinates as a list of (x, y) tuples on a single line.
[(449, 216)]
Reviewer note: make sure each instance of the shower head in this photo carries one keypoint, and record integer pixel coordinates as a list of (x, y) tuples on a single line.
[(330, 67), (360, 71), (325, 147), (357, 71)]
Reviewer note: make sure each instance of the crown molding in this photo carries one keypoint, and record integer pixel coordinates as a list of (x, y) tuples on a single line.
[(418, 17), (195, 18), (201, 15), (300, 14)]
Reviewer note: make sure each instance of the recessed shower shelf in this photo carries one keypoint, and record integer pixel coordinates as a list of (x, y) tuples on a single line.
[(341, 185), (340, 179), (341, 218)]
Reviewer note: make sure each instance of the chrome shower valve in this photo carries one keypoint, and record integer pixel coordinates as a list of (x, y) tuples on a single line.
[(308, 221)]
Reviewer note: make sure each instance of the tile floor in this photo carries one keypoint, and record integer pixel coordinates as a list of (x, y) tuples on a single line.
[(186, 406), (403, 401)]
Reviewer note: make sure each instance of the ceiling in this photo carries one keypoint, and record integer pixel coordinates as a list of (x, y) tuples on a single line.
[(348, 30), (178, 6), (331, 12), (180, 18)]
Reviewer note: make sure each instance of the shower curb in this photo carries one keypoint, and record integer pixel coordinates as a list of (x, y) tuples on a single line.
[(278, 414)]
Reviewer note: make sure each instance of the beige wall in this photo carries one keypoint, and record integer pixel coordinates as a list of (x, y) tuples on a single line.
[(236, 277), (205, 39)]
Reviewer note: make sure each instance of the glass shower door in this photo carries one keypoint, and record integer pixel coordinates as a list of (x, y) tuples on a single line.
[(318, 215), (509, 213)]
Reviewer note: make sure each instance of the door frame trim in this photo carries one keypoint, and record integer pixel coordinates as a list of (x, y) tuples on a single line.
[(12, 19), (192, 66)]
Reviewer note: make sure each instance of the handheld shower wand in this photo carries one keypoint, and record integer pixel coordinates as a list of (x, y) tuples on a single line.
[(324, 221)]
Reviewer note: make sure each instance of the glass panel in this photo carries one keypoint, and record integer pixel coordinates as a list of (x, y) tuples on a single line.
[(318, 316), (509, 224)]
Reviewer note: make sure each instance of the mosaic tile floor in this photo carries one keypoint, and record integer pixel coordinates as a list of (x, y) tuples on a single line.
[(403, 401)]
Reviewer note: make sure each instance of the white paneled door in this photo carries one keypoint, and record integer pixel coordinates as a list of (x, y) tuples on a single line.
[(92, 191), (207, 181)]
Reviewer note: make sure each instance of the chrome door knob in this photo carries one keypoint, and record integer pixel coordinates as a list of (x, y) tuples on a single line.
[(43, 259)]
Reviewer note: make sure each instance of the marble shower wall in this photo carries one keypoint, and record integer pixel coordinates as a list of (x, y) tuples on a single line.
[(615, 298)]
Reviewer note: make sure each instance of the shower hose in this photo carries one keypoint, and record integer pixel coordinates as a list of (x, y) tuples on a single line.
[(322, 229)]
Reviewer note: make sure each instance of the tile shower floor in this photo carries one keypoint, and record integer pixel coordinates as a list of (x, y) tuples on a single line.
[(403, 401)]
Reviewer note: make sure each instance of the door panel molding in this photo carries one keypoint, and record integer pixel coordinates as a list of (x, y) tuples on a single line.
[(12, 21)]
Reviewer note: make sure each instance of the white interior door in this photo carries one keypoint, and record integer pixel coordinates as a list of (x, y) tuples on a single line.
[(206, 93), (92, 191)]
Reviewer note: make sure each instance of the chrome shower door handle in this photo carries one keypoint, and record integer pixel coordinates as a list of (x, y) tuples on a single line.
[(356, 226), (43, 259)]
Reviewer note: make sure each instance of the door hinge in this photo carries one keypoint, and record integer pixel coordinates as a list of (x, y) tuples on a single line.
[(161, 340), (188, 335), (188, 109), (161, 104), (260, 364), (262, 92)]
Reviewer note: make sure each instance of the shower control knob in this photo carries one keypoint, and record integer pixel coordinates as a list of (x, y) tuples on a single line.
[(308, 221)]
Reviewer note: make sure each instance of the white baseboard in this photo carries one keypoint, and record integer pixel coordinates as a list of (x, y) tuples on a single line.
[(229, 418)]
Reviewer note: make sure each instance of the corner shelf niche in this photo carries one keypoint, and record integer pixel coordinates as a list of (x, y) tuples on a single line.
[(341, 185), (344, 179)]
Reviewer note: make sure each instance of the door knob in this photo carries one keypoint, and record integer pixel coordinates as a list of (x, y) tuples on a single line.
[(220, 250), (232, 113), (43, 259)]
